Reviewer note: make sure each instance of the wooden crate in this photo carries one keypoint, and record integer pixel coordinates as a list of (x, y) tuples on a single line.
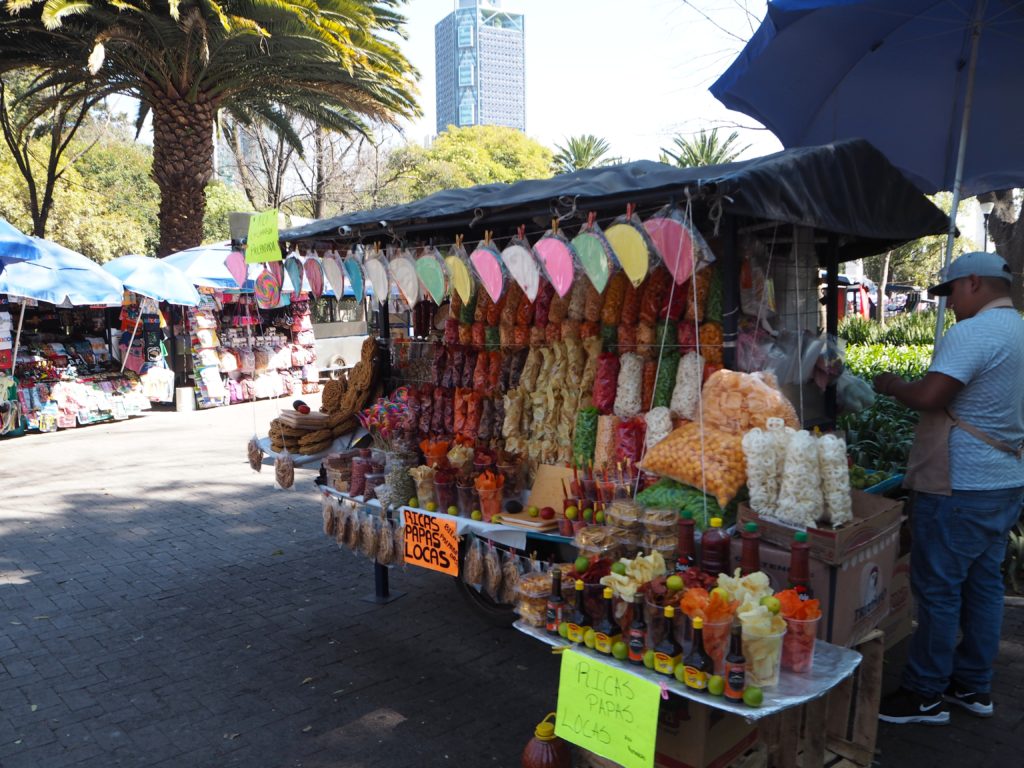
[(837, 731)]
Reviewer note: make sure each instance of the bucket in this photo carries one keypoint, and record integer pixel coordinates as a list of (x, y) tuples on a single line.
[(184, 399)]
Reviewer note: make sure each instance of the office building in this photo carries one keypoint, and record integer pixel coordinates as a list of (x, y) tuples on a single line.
[(480, 59)]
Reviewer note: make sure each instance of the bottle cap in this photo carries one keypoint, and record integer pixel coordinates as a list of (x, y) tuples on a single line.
[(607, 593), (545, 731), (716, 522), (698, 622), (579, 585), (669, 611), (800, 536), (750, 527), (686, 514)]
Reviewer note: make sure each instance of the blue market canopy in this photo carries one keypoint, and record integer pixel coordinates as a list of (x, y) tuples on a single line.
[(16, 247), (847, 188), (154, 278), (61, 276)]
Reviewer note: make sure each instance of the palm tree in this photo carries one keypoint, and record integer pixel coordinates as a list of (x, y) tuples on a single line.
[(702, 149), (579, 152), (262, 61)]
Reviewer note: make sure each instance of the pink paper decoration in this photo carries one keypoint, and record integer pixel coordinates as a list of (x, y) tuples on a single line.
[(235, 262), (277, 270), (556, 256), (315, 276), (674, 244), (487, 264)]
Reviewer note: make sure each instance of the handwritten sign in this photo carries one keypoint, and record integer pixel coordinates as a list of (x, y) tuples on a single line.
[(431, 542), (607, 710), (261, 241)]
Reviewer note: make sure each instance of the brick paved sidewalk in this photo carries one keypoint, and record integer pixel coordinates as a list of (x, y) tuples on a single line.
[(162, 605)]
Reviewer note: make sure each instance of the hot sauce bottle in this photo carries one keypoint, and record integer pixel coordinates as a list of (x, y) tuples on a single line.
[(697, 666), (735, 666), (556, 604), (668, 652), (578, 620), (637, 637), (606, 629)]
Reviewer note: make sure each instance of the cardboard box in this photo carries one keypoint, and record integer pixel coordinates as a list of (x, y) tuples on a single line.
[(872, 516), (854, 595), (899, 624), (693, 735)]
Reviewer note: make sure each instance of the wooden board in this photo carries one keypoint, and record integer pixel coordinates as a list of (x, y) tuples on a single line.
[(523, 520), (310, 421), (547, 488)]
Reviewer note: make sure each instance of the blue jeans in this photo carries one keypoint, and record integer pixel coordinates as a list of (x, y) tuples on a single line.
[(959, 543)]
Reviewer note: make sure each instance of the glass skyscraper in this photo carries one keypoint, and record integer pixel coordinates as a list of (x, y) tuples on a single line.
[(480, 59)]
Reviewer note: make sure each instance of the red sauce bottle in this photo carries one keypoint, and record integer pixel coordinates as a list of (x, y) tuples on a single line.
[(545, 750), (687, 548), (800, 565), (750, 559), (714, 549)]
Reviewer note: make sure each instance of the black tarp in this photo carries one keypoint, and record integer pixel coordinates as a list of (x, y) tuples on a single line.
[(847, 188)]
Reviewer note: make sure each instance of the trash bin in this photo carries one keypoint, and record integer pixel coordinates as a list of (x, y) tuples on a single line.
[(184, 399)]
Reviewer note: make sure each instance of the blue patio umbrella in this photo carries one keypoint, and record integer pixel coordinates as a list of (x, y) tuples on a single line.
[(907, 75), (204, 265), (15, 246), (154, 278)]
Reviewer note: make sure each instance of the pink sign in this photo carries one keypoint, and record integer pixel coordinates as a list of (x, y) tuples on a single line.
[(556, 256), (487, 264), (235, 262), (674, 244)]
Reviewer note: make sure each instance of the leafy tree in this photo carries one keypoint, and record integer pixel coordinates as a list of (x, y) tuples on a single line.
[(221, 200), (39, 123), (579, 152), (335, 62), (706, 148), (463, 157)]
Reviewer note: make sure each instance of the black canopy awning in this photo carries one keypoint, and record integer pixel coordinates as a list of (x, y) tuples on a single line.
[(847, 188)]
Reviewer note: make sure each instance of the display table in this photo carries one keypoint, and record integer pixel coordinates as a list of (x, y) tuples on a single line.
[(508, 535)]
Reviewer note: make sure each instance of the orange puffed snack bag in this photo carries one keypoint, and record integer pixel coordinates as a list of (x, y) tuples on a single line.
[(720, 469), (737, 402)]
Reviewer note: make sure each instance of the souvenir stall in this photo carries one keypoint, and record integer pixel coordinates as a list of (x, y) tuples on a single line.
[(611, 369), (251, 336)]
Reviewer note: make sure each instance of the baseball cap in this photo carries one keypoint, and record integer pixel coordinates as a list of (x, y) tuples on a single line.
[(980, 263)]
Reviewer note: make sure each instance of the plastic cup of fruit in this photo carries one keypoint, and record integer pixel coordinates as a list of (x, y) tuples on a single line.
[(593, 601), (716, 642), (490, 502), (798, 644), (589, 489), (764, 658), (654, 615), (623, 611), (466, 499), (445, 496), (425, 490), (565, 527)]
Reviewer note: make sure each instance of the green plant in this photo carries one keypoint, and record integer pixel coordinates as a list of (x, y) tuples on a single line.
[(869, 360), (880, 437)]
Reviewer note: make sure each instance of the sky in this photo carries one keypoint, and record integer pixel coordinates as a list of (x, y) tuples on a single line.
[(634, 73)]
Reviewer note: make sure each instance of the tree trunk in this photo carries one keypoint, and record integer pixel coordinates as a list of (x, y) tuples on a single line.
[(1006, 231), (182, 166), (319, 171), (881, 287)]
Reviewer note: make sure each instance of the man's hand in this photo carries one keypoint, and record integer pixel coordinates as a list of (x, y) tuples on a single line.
[(884, 382), (934, 392)]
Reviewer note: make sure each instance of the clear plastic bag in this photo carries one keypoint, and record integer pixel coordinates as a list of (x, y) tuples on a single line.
[(629, 389), (736, 402), (284, 471), (254, 453), (714, 465), (489, 268), (521, 263)]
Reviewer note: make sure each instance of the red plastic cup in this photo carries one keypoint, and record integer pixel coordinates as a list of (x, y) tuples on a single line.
[(490, 503), (716, 642), (798, 644)]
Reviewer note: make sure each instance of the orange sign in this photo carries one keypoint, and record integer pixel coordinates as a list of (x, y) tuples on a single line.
[(431, 542)]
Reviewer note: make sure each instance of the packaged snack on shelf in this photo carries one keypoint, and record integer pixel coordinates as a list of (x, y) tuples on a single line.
[(492, 572), (473, 568), (666, 380), (629, 440), (532, 598), (630, 305), (585, 435), (625, 514), (718, 469), (835, 480), (629, 388), (702, 279), (593, 305), (655, 295), (659, 426), (650, 377), (686, 394), (578, 300), (801, 501), (606, 382), (509, 578), (711, 342), (736, 402), (614, 293), (604, 447)]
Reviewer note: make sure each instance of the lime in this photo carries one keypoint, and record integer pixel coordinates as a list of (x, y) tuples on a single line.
[(571, 513), (532, 511), (619, 568), (496, 519), (771, 603), (563, 629), (599, 517), (431, 506), (620, 651), (477, 515), (414, 502), (680, 672), (716, 685), (588, 514), (581, 565), (722, 592), (649, 659), (674, 583), (753, 696), (453, 510), (589, 638)]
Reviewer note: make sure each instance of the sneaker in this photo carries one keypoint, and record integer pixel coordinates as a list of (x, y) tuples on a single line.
[(979, 704), (905, 706)]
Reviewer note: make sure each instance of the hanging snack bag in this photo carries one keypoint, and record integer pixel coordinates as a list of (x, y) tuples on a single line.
[(677, 242), (488, 268), (593, 306), (578, 300), (542, 305), (606, 382), (629, 440), (492, 572), (557, 258), (655, 295), (631, 304), (659, 426), (604, 443), (702, 279), (585, 436), (629, 389), (711, 340), (284, 471), (510, 308), (611, 311), (650, 377), (686, 394), (736, 402), (631, 245), (713, 462), (666, 379), (404, 276)]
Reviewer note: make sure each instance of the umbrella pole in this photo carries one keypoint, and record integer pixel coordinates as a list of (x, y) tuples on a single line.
[(17, 337), (128, 351), (961, 154)]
